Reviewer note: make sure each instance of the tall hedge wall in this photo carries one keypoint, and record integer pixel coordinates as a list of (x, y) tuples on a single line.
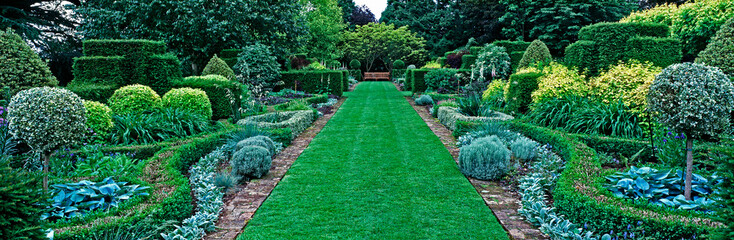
[(322, 81), (418, 80)]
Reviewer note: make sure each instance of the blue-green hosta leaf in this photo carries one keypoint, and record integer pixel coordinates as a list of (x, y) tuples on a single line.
[(77, 197), (109, 189), (70, 209), (642, 184), (60, 197)]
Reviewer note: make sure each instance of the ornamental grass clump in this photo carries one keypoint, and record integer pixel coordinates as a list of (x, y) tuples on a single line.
[(251, 162), (694, 99), (485, 158)]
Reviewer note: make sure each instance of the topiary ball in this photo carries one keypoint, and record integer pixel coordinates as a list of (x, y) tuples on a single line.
[(355, 64), (261, 141), (485, 158), (720, 52), (492, 63), (251, 162), (411, 66), (692, 98), (21, 67), (536, 53), (134, 99), (398, 64), (47, 118), (424, 100), (99, 117), (217, 66), (189, 99)]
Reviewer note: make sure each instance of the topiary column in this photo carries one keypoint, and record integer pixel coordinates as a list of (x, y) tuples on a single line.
[(694, 99)]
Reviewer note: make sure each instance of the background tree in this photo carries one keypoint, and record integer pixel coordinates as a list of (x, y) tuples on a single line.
[(478, 19), (325, 25), (197, 29), (373, 41), (361, 16), (433, 21), (348, 7)]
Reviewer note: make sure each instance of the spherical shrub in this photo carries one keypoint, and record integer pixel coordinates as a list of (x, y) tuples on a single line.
[(629, 82), (692, 98), (99, 117), (193, 100), (251, 162), (424, 100), (398, 64), (411, 66), (524, 149), (355, 64), (720, 52), (258, 68), (133, 99), (47, 118), (217, 66), (21, 67), (559, 80), (485, 158), (22, 204), (442, 79), (262, 141), (537, 52), (493, 62)]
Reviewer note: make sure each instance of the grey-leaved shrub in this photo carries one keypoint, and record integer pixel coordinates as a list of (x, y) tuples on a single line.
[(485, 158), (524, 149), (493, 62), (251, 162), (424, 100), (261, 141)]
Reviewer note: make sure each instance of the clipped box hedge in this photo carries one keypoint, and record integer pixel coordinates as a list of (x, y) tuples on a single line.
[(467, 61), (418, 80), (345, 80), (515, 49), (99, 69), (315, 81), (296, 121), (580, 194), (449, 116), (99, 92), (217, 88), (661, 52)]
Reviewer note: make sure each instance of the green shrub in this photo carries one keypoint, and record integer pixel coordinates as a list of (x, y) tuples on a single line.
[(97, 92), (21, 67), (324, 81), (188, 99), (297, 121), (22, 204), (467, 61), (537, 52), (134, 99), (258, 68), (355, 64), (230, 56), (101, 69), (251, 162), (416, 80), (583, 54), (628, 82), (475, 50), (295, 105), (726, 194), (485, 159), (492, 63), (494, 96), (515, 49), (720, 52), (315, 65), (518, 91), (398, 64), (424, 100), (524, 149), (661, 52), (217, 66), (99, 118), (356, 74), (559, 80), (224, 95), (442, 80), (122, 47), (159, 125)]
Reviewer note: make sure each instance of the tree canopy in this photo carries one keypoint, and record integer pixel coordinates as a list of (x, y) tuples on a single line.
[(325, 25), (384, 42)]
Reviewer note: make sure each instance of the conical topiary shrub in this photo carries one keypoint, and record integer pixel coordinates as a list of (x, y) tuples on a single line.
[(720, 52), (219, 67), (536, 52), (21, 67)]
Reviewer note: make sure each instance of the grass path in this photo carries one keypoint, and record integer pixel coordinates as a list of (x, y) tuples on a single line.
[(376, 171)]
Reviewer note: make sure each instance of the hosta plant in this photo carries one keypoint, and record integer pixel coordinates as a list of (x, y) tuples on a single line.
[(76, 199)]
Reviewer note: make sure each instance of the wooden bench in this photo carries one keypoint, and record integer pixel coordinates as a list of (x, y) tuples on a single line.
[(377, 76)]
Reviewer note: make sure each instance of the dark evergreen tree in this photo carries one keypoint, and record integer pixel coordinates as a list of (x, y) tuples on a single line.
[(362, 15)]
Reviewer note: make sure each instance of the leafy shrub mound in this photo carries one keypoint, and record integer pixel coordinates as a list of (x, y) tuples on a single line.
[(720, 52), (188, 99), (22, 203), (217, 66), (134, 99), (485, 158), (21, 67), (223, 94), (442, 80), (76, 199), (495, 94), (424, 100), (518, 90), (261, 141), (258, 68), (355, 64), (493, 62), (559, 80), (524, 149), (536, 53), (251, 162), (99, 117), (398, 64), (662, 188), (628, 82), (453, 59)]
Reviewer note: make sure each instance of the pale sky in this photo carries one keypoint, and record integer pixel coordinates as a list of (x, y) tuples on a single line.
[(376, 6)]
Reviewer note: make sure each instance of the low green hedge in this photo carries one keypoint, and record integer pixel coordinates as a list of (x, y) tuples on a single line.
[(99, 92), (450, 117), (217, 88), (583, 54), (321, 81), (581, 197), (661, 52), (98, 69), (296, 121), (467, 61), (345, 80)]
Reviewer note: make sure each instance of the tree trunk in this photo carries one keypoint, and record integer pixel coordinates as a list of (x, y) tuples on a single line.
[(45, 171), (689, 167)]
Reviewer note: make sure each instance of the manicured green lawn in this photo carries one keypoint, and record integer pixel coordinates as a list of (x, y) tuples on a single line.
[(376, 171)]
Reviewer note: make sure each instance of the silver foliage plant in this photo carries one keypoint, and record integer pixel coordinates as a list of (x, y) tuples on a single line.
[(492, 63)]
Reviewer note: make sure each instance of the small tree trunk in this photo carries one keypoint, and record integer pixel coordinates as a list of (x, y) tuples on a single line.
[(689, 167), (45, 171)]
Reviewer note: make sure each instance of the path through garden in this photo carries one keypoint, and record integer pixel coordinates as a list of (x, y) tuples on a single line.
[(376, 171)]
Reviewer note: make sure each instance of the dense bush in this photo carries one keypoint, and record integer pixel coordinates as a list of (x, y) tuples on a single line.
[(99, 118), (251, 162), (726, 212), (442, 80), (537, 52), (22, 204), (98, 92), (495, 95), (720, 52), (516, 49), (453, 59), (224, 95), (559, 80), (258, 68), (296, 121), (21, 67), (259, 140), (518, 91), (662, 52), (134, 99), (229, 56), (188, 99), (628, 82), (524, 149), (217, 66), (355, 64), (424, 100), (485, 159), (320, 82), (492, 63), (398, 64)]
